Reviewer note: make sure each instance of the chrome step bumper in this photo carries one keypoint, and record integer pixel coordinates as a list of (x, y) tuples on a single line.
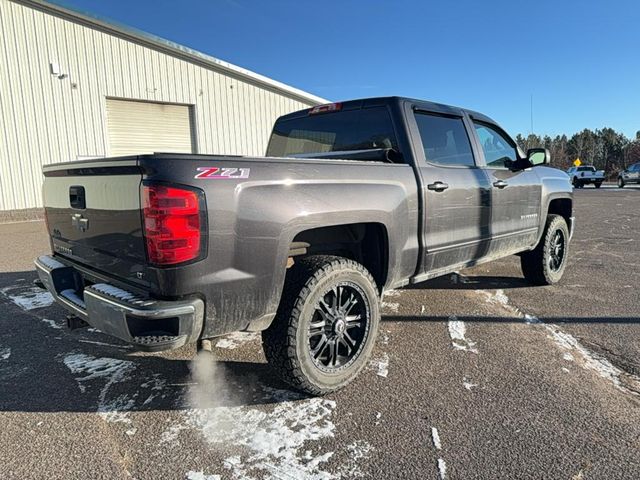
[(146, 323)]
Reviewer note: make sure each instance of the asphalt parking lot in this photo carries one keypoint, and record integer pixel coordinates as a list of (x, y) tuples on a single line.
[(476, 375)]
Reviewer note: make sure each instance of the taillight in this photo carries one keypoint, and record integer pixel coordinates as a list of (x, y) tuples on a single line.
[(173, 224)]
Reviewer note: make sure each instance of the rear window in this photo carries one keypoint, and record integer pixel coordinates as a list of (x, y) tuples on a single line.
[(586, 169), (361, 129), (445, 140)]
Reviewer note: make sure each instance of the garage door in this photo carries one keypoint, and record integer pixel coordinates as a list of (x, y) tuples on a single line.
[(145, 127)]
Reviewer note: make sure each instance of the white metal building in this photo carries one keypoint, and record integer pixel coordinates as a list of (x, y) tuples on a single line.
[(73, 86)]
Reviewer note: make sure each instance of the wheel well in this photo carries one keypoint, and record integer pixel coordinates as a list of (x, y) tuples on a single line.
[(562, 207), (365, 243)]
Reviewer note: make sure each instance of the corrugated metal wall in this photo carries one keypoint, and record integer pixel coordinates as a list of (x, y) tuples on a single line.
[(46, 119)]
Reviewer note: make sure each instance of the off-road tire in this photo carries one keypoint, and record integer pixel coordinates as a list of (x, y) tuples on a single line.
[(535, 263), (285, 342)]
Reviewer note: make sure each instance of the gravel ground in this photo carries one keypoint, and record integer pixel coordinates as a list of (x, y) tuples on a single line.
[(475, 375)]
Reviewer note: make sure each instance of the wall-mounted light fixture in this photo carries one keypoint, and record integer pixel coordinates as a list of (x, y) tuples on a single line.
[(56, 70)]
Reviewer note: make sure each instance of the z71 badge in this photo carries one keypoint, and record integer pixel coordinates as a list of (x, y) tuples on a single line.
[(216, 173)]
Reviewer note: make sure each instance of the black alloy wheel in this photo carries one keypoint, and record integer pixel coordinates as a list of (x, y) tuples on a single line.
[(339, 327)]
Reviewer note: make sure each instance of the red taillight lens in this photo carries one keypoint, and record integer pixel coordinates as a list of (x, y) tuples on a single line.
[(172, 224)]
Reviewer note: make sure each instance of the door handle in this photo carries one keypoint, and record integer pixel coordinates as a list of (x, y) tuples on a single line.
[(500, 184), (438, 186)]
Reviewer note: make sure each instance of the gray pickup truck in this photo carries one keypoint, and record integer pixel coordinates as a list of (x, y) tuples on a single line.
[(352, 199)]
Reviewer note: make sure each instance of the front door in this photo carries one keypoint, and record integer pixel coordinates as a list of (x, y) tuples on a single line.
[(515, 194), (457, 212), (632, 174)]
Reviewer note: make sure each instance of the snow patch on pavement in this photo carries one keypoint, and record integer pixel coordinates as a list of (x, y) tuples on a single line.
[(392, 293), (467, 384), (442, 468), (358, 450), (571, 345), (435, 436), (274, 439), (113, 371), (391, 306), (236, 339), (276, 434), (590, 360), (437, 443), (201, 476), (5, 353), (382, 365), (457, 332), (171, 434), (497, 297), (52, 323), (28, 298)]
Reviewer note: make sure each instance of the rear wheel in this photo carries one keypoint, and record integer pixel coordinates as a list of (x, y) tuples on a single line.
[(620, 182), (598, 184), (545, 264), (326, 324)]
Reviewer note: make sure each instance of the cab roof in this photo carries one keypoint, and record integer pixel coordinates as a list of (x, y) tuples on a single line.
[(381, 101)]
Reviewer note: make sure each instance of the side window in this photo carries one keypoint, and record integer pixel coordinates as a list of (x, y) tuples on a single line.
[(445, 140), (496, 147)]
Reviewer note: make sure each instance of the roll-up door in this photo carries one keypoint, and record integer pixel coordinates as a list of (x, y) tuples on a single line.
[(147, 127)]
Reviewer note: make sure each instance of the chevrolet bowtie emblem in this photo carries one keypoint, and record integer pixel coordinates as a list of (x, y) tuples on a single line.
[(78, 221)]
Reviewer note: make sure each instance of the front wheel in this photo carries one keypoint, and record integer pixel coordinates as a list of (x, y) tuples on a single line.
[(326, 324), (620, 182), (545, 264)]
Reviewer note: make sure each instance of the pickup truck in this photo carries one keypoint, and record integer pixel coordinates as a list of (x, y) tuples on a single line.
[(351, 200), (585, 174)]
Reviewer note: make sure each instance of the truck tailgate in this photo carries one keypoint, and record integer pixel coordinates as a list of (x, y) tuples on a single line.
[(93, 213)]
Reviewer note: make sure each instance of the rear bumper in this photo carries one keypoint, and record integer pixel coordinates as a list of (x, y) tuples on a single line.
[(589, 180), (146, 323)]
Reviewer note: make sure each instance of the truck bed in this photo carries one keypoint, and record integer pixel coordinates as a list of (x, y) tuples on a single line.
[(253, 209)]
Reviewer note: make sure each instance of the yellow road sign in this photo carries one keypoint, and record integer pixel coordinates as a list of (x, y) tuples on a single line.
[(577, 162)]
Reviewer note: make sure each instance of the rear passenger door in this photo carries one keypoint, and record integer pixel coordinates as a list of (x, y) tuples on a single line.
[(515, 195), (457, 212)]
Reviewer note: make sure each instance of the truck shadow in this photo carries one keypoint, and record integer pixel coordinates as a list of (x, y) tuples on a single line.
[(456, 281), (46, 368)]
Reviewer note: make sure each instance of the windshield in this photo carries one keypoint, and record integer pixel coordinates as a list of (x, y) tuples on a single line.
[(360, 129)]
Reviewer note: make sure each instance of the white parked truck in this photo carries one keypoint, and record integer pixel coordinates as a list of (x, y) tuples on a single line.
[(584, 174)]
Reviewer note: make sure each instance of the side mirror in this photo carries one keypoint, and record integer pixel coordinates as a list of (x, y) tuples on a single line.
[(538, 156)]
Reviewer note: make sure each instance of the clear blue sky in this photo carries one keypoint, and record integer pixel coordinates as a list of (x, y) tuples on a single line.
[(579, 59)]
